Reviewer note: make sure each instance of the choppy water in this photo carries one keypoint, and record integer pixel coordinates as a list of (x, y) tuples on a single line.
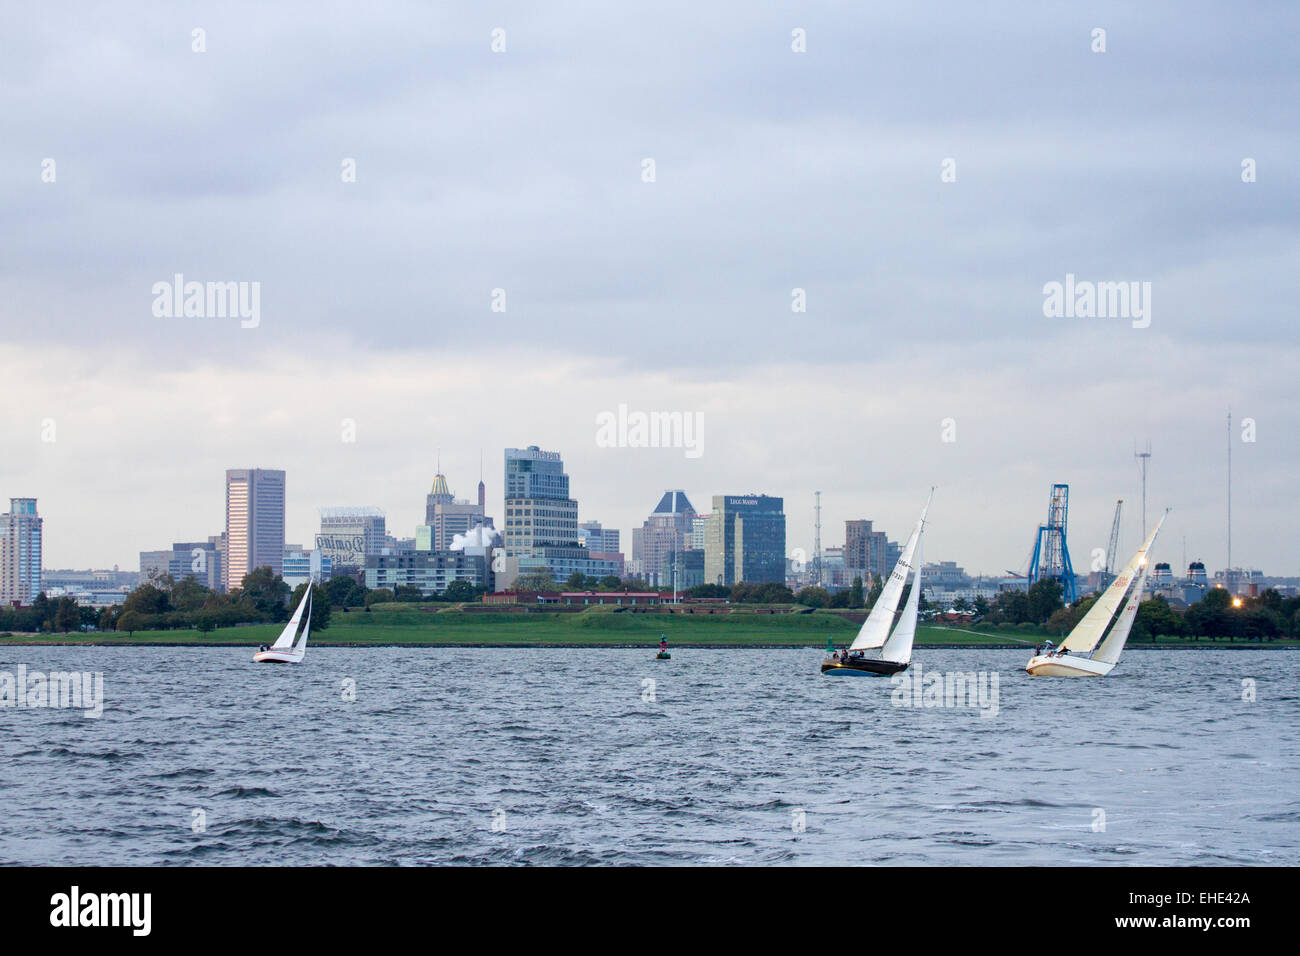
[(562, 752)]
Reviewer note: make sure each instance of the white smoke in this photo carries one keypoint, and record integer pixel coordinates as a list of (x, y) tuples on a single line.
[(476, 538)]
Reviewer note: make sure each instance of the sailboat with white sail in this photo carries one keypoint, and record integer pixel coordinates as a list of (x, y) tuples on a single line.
[(894, 649), (285, 650), (1076, 656)]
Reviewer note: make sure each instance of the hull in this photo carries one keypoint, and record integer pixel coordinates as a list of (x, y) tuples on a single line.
[(872, 667), (1045, 665), (277, 657)]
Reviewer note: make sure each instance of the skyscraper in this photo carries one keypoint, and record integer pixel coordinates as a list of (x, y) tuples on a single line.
[(445, 516), (745, 540), (865, 549), (348, 534), (20, 552), (254, 522), (541, 521), (665, 534)]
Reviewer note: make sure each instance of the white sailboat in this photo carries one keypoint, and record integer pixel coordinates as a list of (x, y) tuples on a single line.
[(895, 650), (284, 650), (1076, 656)]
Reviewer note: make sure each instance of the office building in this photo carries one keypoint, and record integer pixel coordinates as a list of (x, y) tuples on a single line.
[(430, 571), (866, 550), (254, 522), (445, 516), (666, 533), (348, 534), (745, 540), (302, 565), (541, 520), (201, 560), (20, 552), (598, 539)]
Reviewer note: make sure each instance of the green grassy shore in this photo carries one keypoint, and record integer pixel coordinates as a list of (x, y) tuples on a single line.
[(442, 625)]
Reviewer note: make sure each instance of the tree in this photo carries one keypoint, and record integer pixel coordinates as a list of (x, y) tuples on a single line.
[(188, 594), (344, 592), (320, 605), (1043, 600), (709, 591), (1212, 615), (855, 592), (981, 605), (266, 591), (461, 591), (814, 597), (536, 581), (1011, 607), (147, 599), (378, 596), (610, 582), (577, 581), (67, 616), (204, 623), (1154, 618), (129, 621)]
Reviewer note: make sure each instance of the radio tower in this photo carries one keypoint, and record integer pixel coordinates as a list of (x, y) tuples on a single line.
[(817, 544), (1229, 568), (1142, 458)]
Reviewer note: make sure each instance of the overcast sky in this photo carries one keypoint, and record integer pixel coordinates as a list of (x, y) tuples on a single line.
[(522, 170)]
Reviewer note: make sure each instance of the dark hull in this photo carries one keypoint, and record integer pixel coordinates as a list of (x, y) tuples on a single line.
[(863, 668)]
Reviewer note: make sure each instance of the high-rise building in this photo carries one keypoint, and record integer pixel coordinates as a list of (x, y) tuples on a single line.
[(201, 560), (348, 534), (445, 516), (666, 533), (541, 521), (20, 552), (598, 539), (866, 550), (254, 522), (302, 565), (745, 540)]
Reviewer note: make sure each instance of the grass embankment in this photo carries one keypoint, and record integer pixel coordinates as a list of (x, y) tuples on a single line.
[(442, 625)]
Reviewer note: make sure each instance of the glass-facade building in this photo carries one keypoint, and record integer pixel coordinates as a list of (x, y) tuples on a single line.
[(254, 522), (745, 540), (541, 520), (20, 552)]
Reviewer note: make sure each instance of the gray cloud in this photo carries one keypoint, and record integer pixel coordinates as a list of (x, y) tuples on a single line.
[(775, 171)]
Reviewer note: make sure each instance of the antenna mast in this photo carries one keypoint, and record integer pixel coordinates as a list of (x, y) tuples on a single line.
[(1142, 458), (817, 544)]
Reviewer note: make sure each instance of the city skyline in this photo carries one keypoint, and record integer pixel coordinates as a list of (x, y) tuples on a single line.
[(833, 530)]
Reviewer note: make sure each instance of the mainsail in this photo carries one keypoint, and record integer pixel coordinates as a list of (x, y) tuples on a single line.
[(285, 641), (899, 646), (1113, 645), (875, 629), (1088, 631)]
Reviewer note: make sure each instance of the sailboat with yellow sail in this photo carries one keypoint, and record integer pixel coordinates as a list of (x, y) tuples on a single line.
[(1084, 652)]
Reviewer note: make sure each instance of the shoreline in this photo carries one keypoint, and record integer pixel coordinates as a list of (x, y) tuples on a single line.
[(605, 645)]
